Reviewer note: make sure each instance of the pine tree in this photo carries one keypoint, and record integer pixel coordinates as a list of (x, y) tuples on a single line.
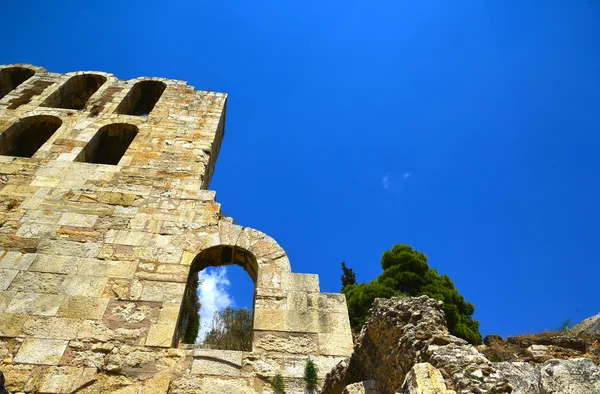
[(348, 276)]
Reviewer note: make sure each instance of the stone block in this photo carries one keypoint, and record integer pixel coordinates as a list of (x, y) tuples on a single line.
[(55, 264), (16, 260), (285, 342), (36, 230), (41, 351), (37, 282), (80, 307), (163, 291), (169, 313), (332, 302), (301, 282), (113, 269), (77, 220), (334, 323), (68, 248), (35, 304), (217, 362), (301, 320), (11, 324), (66, 380), (269, 319), (51, 327), (335, 344), (6, 278), (79, 285), (5, 298), (160, 335)]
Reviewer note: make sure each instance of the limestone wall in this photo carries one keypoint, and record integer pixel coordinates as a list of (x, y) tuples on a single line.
[(94, 258)]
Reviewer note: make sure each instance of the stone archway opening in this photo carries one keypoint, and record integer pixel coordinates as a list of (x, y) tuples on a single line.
[(75, 92), (230, 328), (11, 77), (142, 98), (109, 144), (25, 137)]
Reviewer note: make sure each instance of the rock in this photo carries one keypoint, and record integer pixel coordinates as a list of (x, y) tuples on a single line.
[(403, 331), (492, 339), (423, 378), (590, 326), (575, 376), (366, 387)]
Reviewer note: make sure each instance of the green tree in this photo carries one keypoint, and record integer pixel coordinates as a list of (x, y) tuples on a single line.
[(231, 329), (348, 276), (406, 272), (191, 311)]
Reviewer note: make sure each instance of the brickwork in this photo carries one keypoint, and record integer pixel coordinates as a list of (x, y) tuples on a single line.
[(94, 258)]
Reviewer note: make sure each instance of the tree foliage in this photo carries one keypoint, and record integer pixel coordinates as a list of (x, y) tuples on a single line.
[(406, 272), (348, 276), (231, 329)]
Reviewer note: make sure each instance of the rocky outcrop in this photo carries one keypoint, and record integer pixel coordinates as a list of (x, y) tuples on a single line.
[(590, 326), (405, 348), (401, 332), (539, 348)]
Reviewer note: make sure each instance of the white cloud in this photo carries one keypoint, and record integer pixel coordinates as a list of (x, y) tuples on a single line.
[(386, 182), (392, 182), (213, 292)]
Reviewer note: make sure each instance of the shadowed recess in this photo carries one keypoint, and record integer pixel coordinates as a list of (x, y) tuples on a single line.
[(142, 98), (26, 136), (11, 77), (75, 92), (109, 144)]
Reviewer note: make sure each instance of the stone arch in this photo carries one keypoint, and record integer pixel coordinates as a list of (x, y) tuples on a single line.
[(13, 76), (75, 92), (109, 144), (261, 257), (24, 137), (142, 97)]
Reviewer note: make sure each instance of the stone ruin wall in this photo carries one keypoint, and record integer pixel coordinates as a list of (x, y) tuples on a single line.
[(94, 258)]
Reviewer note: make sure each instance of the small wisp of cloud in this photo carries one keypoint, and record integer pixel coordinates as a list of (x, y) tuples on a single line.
[(213, 292), (390, 182)]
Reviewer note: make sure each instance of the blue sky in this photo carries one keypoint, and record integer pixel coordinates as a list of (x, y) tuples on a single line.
[(469, 130)]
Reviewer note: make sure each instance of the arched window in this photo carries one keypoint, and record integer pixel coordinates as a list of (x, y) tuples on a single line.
[(142, 98), (189, 323), (11, 77), (26, 136), (109, 144), (75, 92)]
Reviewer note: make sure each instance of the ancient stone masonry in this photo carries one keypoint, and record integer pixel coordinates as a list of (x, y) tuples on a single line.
[(105, 214)]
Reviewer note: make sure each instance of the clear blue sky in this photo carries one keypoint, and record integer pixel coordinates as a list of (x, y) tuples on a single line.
[(470, 129)]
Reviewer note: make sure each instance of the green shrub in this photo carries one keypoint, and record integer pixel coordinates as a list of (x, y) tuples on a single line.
[(278, 384), (310, 375)]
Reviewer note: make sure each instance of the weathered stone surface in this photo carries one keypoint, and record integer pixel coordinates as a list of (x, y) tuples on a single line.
[(576, 376), (423, 378), (41, 351)]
